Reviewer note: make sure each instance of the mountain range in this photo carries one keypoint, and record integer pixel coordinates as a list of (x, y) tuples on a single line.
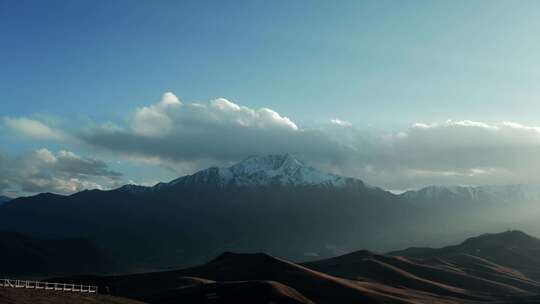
[(274, 204), (491, 193), (483, 269)]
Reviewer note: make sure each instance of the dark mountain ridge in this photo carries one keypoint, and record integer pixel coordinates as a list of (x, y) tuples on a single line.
[(4, 199)]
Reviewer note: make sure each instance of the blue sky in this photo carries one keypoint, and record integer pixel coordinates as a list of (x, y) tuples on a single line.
[(380, 65)]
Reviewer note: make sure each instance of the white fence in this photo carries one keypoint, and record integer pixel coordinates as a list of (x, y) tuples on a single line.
[(8, 283)]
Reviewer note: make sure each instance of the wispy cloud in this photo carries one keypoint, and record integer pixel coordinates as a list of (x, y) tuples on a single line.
[(33, 128), (340, 122)]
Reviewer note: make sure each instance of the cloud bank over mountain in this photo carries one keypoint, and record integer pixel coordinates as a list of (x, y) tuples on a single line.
[(461, 152), (219, 130), (173, 132)]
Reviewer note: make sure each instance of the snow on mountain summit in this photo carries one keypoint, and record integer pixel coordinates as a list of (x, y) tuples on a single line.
[(276, 163), (493, 193), (256, 171), (281, 169)]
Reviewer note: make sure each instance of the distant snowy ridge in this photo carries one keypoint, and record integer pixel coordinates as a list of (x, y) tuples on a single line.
[(501, 193)]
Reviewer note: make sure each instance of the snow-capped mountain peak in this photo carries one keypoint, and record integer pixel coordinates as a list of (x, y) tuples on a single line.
[(282, 169), (254, 171), (282, 163)]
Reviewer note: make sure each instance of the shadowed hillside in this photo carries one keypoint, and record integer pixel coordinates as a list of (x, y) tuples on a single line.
[(32, 257), (452, 276), (297, 284), (513, 249)]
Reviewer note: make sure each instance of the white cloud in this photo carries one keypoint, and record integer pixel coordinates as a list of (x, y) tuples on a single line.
[(341, 123), (154, 120), (33, 128), (45, 156), (216, 130), (170, 99), (171, 116)]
